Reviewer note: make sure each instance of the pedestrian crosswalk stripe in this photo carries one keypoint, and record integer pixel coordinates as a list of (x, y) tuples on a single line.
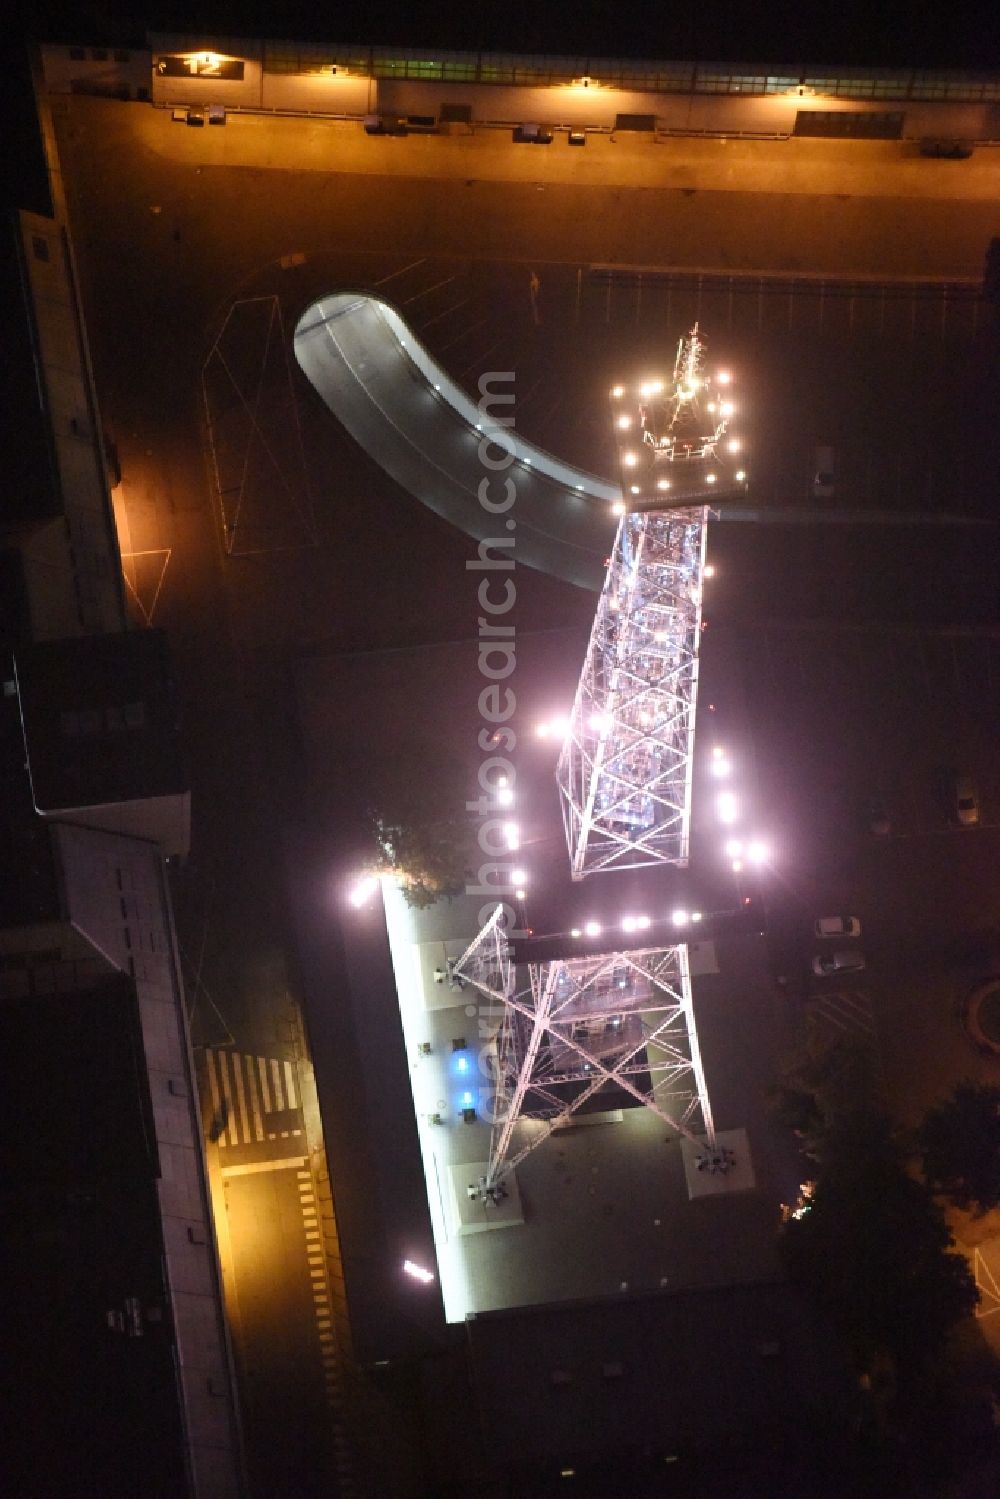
[(245, 1091)]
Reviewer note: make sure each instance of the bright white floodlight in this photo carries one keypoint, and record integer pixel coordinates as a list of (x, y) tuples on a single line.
[(757, 851), (680, 918), (417, 1272), (725, 806), (593, 929), (363, 891)]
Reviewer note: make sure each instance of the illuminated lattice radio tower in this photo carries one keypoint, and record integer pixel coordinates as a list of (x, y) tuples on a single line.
[(625, 769), (621, 1024)]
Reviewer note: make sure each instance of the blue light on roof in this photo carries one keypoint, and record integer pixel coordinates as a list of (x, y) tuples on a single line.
[(467, 1099)]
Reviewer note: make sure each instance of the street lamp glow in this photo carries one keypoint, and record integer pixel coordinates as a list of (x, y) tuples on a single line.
[(727, 408), (723, 377), (593, 929), (417, 1272), (721, 769), (575, 932), (617, 391), (628, 923), (740, 476), (663, 484), (633, 489), (624, 422), (641, 923), (710, 478), (757, 852), (618, 508), (737, 866), (734, 445), (695, 915), (629, 460), (680, 918), (363, 891), (518, 876), (709, 571), (505, 797), (734, 848), (512, 836), (520, 894)]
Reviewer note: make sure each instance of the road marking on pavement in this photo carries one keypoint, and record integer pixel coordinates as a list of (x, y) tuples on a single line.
[(227, 1093), (241, 1095), (279, 1100), (265, 1091), (252, 1166), (254, 1101), (245, 1090)]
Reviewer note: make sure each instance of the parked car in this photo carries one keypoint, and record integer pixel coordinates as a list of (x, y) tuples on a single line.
[(824, 477), (846, 960), (877, 817), (838, 926), (965, 807)]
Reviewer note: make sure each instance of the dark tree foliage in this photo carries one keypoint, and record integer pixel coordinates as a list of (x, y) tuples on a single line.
[(874, 1251), (960, 1144), (823, 1087), (417, 813)]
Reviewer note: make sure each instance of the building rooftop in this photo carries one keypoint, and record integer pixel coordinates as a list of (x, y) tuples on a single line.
[(100, 720)]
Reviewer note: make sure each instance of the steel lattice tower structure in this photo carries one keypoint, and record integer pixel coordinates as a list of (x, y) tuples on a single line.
[(619, 1024), (622, 1023), (625, 769), (624, 772)]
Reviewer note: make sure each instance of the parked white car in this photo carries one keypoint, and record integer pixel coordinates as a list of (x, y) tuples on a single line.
[(838, 926)]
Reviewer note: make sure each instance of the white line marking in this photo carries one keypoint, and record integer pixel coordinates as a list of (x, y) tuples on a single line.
[(279, 1100), (265, 1090), (238, 1079), (290, 1086), (253, 1166), (258, 1128), (234, 1137)]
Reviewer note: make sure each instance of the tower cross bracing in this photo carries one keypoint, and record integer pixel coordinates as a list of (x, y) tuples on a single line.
[(625, 769), (619, 1024)]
